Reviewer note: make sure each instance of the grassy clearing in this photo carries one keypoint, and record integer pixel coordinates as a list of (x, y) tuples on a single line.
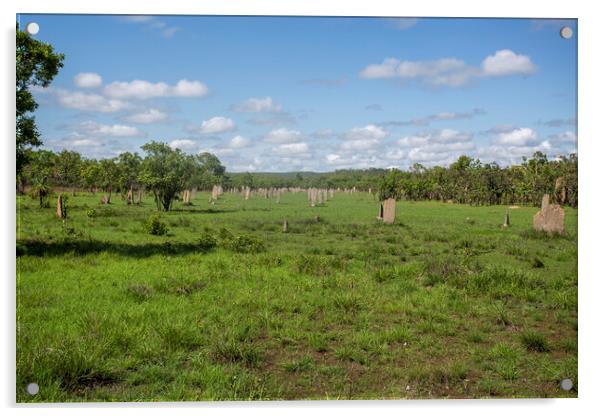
[(225, 306)]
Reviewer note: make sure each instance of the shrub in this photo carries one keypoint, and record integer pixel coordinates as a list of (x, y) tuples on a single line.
[(207, 242), (244, 244), (91, 213), (155, 226)]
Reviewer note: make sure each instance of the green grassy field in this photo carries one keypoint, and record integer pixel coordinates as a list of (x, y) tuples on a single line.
[(444, 303)]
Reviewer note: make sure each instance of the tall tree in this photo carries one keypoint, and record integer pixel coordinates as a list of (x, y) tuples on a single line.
[(129, 170), (68, 166), (165, 172), (37, 65)]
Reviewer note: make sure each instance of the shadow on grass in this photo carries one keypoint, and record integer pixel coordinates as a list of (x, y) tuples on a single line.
[(81, 247)]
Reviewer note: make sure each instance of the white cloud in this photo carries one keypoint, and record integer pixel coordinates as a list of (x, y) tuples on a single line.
[(151, 115), (451, 136), (239, 142), (183, 144), (518, 137), (291, 149), (363, 144), (450, 72), (217, 125), (506, 62), (87, 80), (88, 102), (283, 135), (185, 88), (140, 89), (508, 154), (84, 143), (369, 132), (333, 158), (437, 147), (103, 130), (258, 105)]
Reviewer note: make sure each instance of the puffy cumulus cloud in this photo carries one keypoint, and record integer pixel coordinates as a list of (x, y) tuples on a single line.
[(92, 128), (152, 115), (506, 155), (523, 136), (363, 144), (238, 142), (444, 136), (258, 105), (438, 147), (87, 80), (217, 125), (440, 72), (186, 145), (342, 160), (298, 150), (451, 72), (82, 101), (85, 143), (142, 90), (283, 135), (506, 62), (369, 132)]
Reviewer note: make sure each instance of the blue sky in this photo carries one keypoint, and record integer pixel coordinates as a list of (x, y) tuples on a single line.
[(311, 93)]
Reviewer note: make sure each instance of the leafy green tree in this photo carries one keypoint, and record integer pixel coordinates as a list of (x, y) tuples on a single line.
[(129, 169), (37, 65), (90, 175), (68, 169), (108, 173), (247, 180), (211, 164), (390, 186), (165, 172)]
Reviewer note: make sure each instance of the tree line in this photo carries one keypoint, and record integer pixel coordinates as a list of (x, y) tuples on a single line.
[(163, 171), (166, 172), (466, 181), (469, 181)]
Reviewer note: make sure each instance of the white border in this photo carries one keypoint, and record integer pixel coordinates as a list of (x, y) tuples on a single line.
[(590, 188)]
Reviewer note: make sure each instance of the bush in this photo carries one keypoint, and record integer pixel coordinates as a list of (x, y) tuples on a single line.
[(207, 242), (155, 226), (91, 213), (243, 244)]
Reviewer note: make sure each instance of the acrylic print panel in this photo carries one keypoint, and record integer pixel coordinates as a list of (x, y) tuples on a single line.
[(290, 208)]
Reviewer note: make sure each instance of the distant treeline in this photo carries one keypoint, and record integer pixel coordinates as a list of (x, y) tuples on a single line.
[(467, 180)]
